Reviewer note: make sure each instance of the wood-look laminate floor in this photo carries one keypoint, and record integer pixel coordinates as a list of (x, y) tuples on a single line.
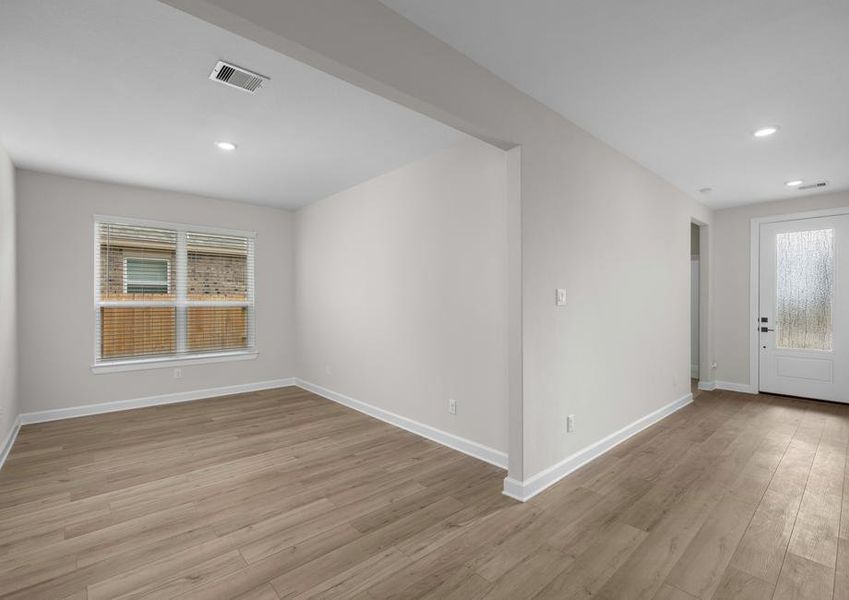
[(281, 494)]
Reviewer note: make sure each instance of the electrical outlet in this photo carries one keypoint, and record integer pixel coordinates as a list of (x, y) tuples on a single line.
[(452, 406), (178, 373), (570, 423)]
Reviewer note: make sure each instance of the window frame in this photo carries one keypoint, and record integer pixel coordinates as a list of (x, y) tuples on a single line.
[(180, 302), (167, 262)]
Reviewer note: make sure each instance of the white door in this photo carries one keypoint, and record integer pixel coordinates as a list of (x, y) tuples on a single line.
[(804, 314)]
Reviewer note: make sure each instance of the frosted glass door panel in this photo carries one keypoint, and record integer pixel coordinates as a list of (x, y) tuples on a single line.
[(804, 289), (803, 320)]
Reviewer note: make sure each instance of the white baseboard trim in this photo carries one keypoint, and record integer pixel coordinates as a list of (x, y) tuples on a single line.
[(479, 451), (730, 386), (9, 441), (527, 489), (107, 407), (735, 387)]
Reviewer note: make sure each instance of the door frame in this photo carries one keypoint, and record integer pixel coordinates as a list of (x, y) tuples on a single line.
[(754, 282)]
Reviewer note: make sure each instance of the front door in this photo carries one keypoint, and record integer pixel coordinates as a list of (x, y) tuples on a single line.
[(804, 312)]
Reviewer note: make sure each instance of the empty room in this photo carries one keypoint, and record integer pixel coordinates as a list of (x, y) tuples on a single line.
[(438, 299)]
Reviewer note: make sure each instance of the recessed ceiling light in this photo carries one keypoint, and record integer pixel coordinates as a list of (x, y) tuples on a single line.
[(765, 131), (794, 183), (227, 146)]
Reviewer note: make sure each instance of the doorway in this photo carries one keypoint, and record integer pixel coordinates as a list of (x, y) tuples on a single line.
[(695, 302), (802, 321)]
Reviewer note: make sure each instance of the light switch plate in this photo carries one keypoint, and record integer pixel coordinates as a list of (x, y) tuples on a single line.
[(560, 297)]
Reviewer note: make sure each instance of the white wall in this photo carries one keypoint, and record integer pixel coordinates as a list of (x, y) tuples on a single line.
[(9, 397), (56, 316), (732, 230), (401, 292), (615, 235)]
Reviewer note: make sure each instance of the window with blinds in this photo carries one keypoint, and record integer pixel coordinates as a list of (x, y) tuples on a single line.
[(171, 292)]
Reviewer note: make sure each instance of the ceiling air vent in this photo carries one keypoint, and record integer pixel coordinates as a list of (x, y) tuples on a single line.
[(237, 77), (813, 186)]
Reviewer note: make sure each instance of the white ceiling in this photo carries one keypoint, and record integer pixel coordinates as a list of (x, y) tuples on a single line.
[(120, 91), (678, 85)]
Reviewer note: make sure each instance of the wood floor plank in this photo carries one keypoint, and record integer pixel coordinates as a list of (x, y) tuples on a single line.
[(739, 585), (817, 524), (528, 578), (763, 546), (282, 494), (667, 592), (263, 592), (586, 575), (803, 579), (841, 577), (699, 570)]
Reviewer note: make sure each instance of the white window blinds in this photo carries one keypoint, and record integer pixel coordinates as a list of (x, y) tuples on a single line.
[(171, 292)]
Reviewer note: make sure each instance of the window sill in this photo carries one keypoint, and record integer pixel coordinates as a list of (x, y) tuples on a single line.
[(116, 366)]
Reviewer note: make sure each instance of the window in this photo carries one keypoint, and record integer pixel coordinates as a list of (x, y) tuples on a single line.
[(166, 292), (804, 289), (146, 275)]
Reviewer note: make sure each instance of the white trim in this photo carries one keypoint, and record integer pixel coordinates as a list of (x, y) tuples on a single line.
[(107, 407), (142, 364), (6, 448), (180, 311), (754, 283), (730, 386), (191, 227), (474, 449), (95, 274), (527, 489), (171, 303), (754, 302), (745, 388)]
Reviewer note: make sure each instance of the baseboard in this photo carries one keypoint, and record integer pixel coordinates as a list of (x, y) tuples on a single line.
[(730, 386), (469, 447), (527, 489), (735, 387), (9, 441), (515, 489), (479, 451), (107, 407)]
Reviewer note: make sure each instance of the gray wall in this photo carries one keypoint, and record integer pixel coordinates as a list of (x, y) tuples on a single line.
[(612, 233), (9, 398), (55, 262), (401, 292), (732, 227)]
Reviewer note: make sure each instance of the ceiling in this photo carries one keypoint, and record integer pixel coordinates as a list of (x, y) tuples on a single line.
[(120, 91), (678, 85)]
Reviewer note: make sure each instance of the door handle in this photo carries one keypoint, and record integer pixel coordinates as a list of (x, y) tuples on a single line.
[(766, 329)]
